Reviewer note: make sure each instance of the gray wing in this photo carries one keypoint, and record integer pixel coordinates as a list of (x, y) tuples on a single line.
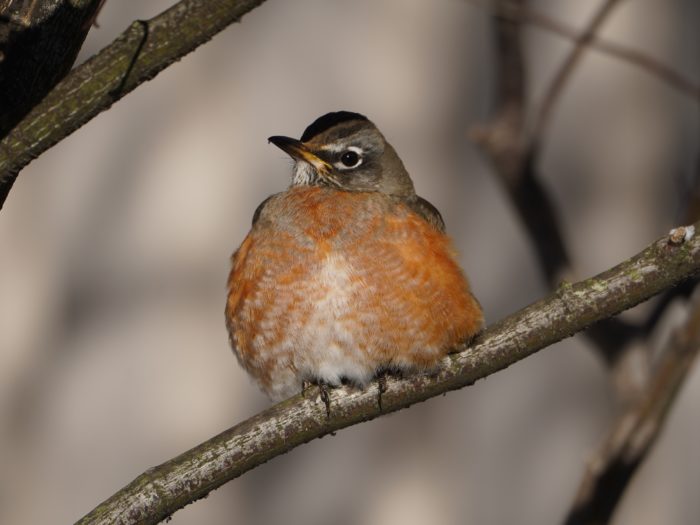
[(429, 212), (259, 209)]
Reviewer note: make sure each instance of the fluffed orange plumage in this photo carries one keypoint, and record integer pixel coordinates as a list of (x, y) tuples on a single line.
[(333, 285), (348, 272)]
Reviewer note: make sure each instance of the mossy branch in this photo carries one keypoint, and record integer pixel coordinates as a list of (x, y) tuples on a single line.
[(138, 54), (162, 490)]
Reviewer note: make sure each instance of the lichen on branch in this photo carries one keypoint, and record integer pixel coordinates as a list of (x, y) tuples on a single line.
[(161, 491)]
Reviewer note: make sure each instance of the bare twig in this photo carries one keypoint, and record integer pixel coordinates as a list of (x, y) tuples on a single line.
[(515, 164), (634, 433), (556, 87), (504, 142), (629, 55), (140, 53), (160, 491), (689, 213)]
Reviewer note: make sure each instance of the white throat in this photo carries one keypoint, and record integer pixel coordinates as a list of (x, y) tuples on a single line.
[(304, 174)]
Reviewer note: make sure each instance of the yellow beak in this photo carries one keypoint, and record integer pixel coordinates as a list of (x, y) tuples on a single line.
[(298, 150)]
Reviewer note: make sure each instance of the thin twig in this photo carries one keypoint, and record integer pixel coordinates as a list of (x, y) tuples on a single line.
[(514, 159), (636, 58), (93, 20), (130, 60), (689, 213), (160, 491), (635, 432), (556, 86), (505, 142)]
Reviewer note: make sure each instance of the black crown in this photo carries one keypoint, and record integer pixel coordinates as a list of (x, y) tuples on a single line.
[(327, 121)]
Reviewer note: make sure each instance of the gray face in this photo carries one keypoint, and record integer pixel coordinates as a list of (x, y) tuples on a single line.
[(354, 157)]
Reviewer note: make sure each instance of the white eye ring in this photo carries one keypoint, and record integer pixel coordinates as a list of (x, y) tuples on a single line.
[(350, 158)]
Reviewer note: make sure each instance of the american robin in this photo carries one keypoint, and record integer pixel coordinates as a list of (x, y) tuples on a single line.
[(348, 272)]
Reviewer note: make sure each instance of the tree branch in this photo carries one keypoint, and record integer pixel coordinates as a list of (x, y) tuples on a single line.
[(635, 432), (139, 54), (629, 55), (39, 41), (514, 154), (556, 87), (160, 491), (504, 141)]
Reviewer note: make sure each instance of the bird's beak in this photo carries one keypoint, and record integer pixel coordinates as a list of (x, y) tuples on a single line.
[(298, 151)]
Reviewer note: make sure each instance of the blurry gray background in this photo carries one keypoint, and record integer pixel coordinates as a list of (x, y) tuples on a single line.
[(116, 244)]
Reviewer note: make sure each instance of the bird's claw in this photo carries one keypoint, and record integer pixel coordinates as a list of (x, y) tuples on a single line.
[(323, 392), (381, 388)]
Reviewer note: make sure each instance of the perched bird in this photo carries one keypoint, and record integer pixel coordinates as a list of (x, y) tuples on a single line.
[(348, 272)]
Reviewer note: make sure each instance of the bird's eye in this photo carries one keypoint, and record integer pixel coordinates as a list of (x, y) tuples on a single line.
[(351, 158)]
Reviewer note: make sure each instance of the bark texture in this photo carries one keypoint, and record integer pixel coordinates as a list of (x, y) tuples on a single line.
[(161, 491)]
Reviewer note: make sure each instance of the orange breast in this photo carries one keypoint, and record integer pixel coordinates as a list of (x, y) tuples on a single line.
[(332, 284)]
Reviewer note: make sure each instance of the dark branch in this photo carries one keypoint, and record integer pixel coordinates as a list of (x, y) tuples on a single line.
[(39, 41), (539, 215), (636, 430), (505, 143), (139, 54), (514, 157), (160, 491), (629, 55), (556, 87)]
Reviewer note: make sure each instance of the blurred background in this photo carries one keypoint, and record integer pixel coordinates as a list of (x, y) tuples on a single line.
[(116, 244)]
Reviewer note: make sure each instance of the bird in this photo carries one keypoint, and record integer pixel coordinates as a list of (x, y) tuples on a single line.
[(347, 274)]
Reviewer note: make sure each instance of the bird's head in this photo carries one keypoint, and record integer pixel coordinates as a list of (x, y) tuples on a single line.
[(346, 151)]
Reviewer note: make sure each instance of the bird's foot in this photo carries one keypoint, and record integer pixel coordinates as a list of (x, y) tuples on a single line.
[(305, 385), (381, 387), (382, 376), (323, 392)]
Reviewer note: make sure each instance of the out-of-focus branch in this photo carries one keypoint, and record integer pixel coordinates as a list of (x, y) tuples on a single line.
[(665, 73), (691, 192), (621, 52), (137, 55), (162, 490), (556, 87), (504, 141), (634, 433), (514, 153)]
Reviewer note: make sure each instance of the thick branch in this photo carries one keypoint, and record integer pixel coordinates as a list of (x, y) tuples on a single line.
[(39, 41), (635, 432), (164, 489), (140, 53)]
